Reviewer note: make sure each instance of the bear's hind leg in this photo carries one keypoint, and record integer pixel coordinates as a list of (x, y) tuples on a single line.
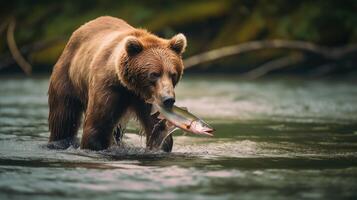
[(65, 112)]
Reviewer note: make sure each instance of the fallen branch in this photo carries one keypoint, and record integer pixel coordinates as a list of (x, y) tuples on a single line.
[(3, 26), (330, 53), (15, 52), (7, 59), (273, 65)]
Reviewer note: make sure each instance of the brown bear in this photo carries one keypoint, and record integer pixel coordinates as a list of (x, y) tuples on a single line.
[(107, 70)]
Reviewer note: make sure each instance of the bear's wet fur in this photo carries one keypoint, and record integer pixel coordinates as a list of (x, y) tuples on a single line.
[(108, 69)]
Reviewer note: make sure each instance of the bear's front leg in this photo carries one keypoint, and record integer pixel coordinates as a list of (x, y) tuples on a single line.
[(156, 130), (160, 136), (104, 109)]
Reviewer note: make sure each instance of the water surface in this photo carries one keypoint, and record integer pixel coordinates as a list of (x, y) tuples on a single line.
[(275, 139)]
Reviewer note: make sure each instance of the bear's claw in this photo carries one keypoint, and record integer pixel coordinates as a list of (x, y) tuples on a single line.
[(118, 134)]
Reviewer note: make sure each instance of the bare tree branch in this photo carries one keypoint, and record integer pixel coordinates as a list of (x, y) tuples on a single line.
[(15, 52), (331, 53), (273, 65), (7, 59), (3, 26)]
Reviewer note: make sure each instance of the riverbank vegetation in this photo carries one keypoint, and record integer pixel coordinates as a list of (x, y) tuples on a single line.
[(319, 37)]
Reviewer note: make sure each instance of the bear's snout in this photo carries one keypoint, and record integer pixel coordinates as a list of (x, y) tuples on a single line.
[(165, 93), (168, 101)]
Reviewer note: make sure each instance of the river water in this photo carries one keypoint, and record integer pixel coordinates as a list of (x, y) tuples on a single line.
[(275, 139)]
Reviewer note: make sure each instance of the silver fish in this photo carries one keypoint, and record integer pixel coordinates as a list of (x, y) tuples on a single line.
[(185, 120)]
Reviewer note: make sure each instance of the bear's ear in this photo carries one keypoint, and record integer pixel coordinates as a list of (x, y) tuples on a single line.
[(133, 46), (178, 43)]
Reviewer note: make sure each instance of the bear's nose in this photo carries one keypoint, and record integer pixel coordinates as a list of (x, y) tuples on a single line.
[(168, 102)]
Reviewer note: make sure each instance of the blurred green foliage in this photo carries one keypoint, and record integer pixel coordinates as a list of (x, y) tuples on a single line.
[(208, 24)]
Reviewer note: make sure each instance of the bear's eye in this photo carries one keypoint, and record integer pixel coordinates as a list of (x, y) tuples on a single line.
[(154, 76), (174, 78)]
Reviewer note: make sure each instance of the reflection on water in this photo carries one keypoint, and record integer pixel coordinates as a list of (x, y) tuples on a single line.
[(275, 139)]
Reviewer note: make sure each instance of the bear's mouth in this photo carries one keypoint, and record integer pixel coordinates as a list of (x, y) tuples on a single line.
[(153, 100), (150, 100), (154, 109)]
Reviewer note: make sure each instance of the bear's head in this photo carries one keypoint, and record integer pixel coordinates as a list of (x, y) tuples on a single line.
[(151, 66)]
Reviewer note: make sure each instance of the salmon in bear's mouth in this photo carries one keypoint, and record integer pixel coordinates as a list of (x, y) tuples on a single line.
[(181, 118)]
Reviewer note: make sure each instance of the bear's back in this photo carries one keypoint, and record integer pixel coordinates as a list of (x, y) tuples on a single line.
[(92, 32), (85, 45), (102, 24), (98, 27)]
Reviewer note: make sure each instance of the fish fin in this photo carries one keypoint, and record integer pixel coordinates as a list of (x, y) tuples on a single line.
[(184, 108)]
